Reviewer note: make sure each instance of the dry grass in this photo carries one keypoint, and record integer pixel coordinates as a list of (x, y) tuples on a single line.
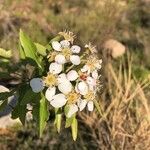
[(124, 121)]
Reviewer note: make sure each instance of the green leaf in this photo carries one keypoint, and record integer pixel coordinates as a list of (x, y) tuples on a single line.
[(21, 51), (30, 97), (5, 53), (57, 38), (41, 114), (41, 49), (4, 75), (69, 121), (19, 112), (3, 104), (57, 122), (29, 48), (48, 47), (5, 95), (66, 109), (74, 129)]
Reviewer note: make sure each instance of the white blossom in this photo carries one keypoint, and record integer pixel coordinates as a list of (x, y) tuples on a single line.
[(72, 75), (56, 45), (76, 49), (72, 110), (55, 68), (75, 59)]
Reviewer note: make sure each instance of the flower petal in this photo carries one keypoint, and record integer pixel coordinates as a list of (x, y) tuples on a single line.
[(76, 88), (56, 45), (75, 49), (72, 109), (37, 85), (55, 68), (65, 43), (62, 78), (50, 92), (85, 68), (65, 87), (95, 74), (92, 88), (98, 64), (91, 81), (58, 100), (72, 75), (90, 106), (83, 88), (60, 59), (82, 104), (75, 59)]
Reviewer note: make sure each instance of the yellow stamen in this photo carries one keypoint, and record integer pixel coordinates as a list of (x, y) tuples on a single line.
[(66, 52), (91, 48), (91, 62), (50, 80), (89, 96), (69, 36), (72, 97)]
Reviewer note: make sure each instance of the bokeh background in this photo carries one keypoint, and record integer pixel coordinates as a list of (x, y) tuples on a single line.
[(121, 31)]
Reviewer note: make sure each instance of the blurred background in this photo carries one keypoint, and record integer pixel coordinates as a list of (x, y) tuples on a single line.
[(121, 31)]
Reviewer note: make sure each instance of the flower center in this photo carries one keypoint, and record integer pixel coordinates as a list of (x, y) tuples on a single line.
[(92, 63), (66, 52), (83, 76), (89, 96), (50, 80), (72, 97)]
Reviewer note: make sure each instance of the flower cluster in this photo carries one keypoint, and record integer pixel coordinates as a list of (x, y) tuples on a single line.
[(73, 76)]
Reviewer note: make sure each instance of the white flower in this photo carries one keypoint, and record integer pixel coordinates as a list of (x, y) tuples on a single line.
[(72, 75), (98, 64), (75, 59), (58, 100), (66, 53), (65, 43), (91, 48), (95, 74), (50, 92), (88, 100), (37, 85), (91, 81), (82, 104), (60, 59), (55, 68), (62, 78), (82, 88), (56, 45), (92, 64), (65, 87), (86, 68), (90, 105), (76, 49), (73, 108)]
